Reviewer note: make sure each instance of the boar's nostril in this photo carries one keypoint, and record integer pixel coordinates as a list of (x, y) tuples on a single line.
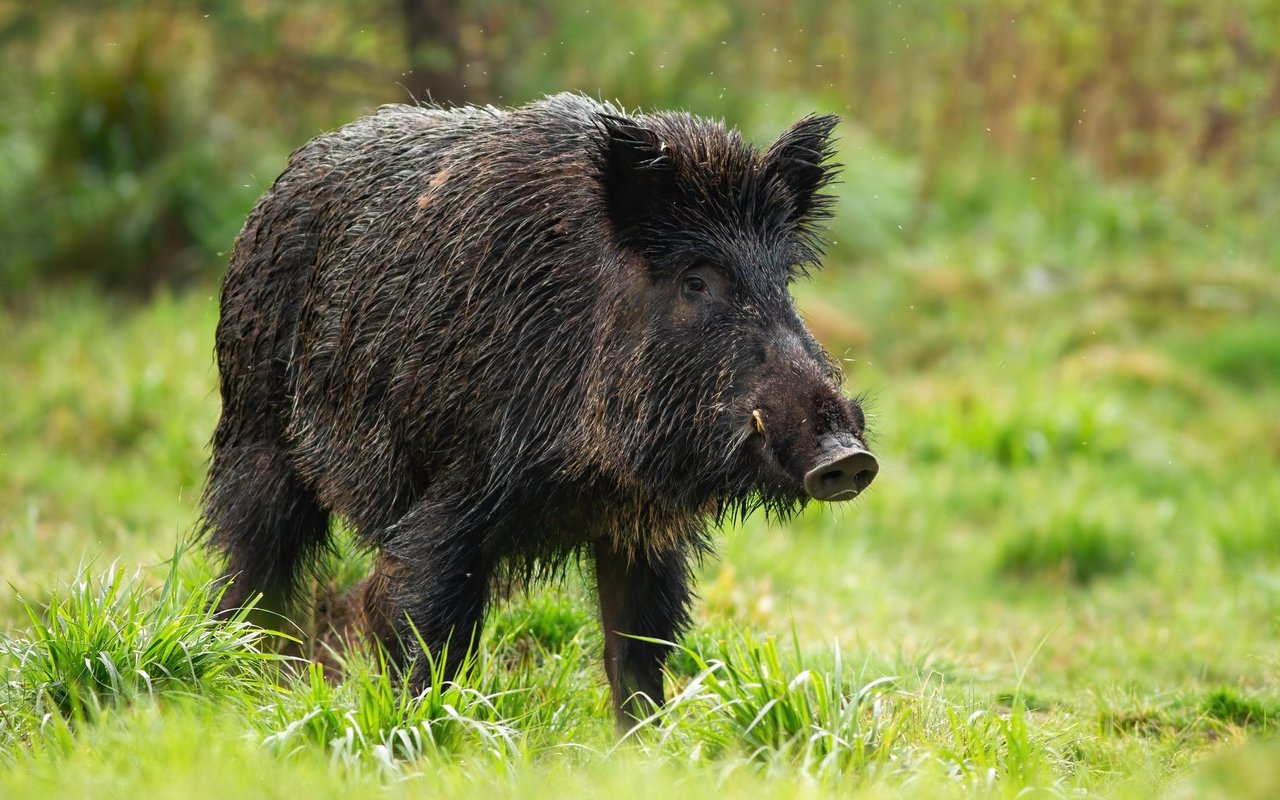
[(842, 475)]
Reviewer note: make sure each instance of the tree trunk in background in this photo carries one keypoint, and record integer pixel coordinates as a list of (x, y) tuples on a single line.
[(432, 42)]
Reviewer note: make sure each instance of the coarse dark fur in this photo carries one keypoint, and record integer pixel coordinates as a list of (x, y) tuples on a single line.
[(492, 340)]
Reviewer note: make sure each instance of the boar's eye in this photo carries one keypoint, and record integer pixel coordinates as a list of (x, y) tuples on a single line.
[(702, 282), (696, 285)]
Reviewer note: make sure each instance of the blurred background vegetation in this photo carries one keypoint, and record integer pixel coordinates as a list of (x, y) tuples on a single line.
[(1055, 262), (137, 134), (1054, 266)]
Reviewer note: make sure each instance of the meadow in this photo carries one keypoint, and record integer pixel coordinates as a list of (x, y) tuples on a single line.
[(1053, 270), (1066, 579)]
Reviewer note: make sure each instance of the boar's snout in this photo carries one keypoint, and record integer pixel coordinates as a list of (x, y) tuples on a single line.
[(844, 469)]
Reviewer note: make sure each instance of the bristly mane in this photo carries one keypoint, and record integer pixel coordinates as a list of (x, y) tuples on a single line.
[(714, 180)]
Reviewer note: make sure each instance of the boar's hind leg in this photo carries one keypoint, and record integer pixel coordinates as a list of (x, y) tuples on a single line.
[(435, 577), (267, 524), (640, 595)]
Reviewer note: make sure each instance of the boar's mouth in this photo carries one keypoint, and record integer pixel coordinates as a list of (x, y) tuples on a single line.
[(844, 469)]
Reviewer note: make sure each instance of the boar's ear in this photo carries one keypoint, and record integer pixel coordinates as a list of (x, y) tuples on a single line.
[(637, 171), (799, 161)]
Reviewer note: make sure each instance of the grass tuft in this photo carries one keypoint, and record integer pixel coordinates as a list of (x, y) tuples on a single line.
[(833, 723), (372, 716), (1227, 704), (547, 623), (107, 639), (758, 701)]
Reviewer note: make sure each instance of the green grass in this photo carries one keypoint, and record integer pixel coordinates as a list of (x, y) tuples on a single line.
[(1065, 581), (108, 639)]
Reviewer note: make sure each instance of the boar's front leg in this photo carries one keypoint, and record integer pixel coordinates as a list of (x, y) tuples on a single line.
[(646, 595), (431, 584)]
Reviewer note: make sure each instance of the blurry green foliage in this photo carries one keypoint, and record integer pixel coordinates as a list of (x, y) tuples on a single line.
[(113, 176), (1071, 550), (1246, 354), (137, 134)]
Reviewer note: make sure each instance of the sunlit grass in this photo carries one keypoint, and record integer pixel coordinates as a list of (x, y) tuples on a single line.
[(370, 716), (110, 638), (1063, 581)]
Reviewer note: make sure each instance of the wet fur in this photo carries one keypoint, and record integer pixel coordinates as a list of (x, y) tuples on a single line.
[(447, 328)]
